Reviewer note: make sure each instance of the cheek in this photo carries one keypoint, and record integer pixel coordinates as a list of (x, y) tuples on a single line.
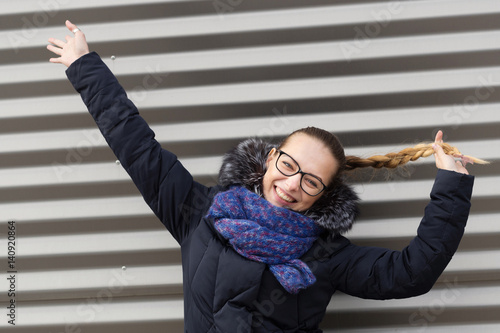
[(308, 201), (266, 182)]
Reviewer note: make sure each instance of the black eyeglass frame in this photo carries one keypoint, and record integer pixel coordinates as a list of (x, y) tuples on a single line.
[(302, 173)]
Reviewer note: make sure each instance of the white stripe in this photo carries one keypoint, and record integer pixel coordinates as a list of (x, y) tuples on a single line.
[(258, 21), (159, 65)]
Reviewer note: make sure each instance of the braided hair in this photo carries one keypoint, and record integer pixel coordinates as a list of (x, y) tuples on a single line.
[(393, 160), (390, 160)]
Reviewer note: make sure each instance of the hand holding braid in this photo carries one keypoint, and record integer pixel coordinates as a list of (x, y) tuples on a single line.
[(393, 160)]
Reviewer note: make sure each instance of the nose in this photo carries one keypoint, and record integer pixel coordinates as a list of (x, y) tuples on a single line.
[(293, 182)]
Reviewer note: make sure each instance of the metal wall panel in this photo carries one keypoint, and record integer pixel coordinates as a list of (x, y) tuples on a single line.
[(383, 75)]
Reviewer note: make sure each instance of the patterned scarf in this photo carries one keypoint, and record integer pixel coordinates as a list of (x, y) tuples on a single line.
[(260, 231)]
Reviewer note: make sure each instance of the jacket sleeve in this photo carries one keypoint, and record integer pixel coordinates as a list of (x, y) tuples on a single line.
[(167, 187), (378, 273)]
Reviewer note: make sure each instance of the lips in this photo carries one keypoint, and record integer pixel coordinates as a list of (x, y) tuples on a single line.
[(282, 195)]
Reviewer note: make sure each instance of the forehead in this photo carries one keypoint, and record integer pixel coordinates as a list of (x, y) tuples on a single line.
[(311, 154)]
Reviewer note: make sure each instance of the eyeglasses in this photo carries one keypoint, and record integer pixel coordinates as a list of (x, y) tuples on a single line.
[(309, 183)]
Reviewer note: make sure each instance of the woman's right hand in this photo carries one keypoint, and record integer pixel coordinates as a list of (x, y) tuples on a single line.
[(444, 161), (72, 49)]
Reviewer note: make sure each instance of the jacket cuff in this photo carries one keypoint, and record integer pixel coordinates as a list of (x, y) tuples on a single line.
[(82, 73), (452, 181)]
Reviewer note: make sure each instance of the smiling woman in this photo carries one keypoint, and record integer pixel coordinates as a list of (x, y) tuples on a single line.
[(271, 231), (286, 184)]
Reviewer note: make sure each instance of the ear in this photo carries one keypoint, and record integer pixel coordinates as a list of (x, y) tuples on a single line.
[(270, 157)]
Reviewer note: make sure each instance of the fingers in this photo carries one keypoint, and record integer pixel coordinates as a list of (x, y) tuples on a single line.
[(61, 43), (461, 168), (70, 25), (437, 141), (57, 42), (438, 150), (439, 137), (54, 49)]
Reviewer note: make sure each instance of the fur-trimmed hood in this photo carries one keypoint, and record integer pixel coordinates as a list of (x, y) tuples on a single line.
[(245, 165)]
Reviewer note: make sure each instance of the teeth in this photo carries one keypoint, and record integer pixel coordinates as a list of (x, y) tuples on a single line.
[(283, 195)]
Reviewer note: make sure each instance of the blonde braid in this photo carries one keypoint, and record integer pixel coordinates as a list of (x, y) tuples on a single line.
[(393, 160)]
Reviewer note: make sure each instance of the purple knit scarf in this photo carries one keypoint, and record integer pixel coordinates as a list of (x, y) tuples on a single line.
[(260, 231)]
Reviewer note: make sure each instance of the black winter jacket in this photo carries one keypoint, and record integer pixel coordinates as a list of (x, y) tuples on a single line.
[(224, 292)]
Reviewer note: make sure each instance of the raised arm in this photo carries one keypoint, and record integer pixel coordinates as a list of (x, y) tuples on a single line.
[(378, 273), (167, 187)]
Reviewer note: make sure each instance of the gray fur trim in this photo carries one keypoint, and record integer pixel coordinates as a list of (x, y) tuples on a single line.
[(245, 165)]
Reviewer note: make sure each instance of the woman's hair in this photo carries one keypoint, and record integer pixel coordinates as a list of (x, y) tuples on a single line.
[(391, 160)]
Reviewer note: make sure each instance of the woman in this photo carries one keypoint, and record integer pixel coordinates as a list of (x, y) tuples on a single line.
[(263, 251)]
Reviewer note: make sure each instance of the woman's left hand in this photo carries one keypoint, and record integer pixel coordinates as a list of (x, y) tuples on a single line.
[(444, 161), (72, 49)]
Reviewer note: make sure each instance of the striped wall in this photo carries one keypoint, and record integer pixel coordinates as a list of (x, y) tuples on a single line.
[(89, 255)]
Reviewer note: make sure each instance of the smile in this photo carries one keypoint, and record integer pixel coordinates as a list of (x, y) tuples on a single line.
[(283, 196)]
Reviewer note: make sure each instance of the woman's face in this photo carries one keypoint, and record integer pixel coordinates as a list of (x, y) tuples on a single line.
[(313, 157)]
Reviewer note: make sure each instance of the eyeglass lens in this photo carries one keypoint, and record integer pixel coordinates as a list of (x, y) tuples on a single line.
[(289, 167)]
